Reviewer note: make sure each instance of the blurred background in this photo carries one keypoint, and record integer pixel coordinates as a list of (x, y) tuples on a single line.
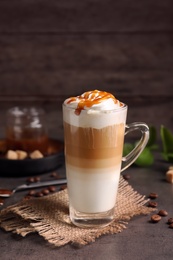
[(50, 50)]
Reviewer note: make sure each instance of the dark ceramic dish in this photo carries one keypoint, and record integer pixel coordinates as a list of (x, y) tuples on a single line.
[(27, 167)]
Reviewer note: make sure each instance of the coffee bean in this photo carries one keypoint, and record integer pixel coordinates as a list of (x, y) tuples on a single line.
[(31, 193), (163, 213), (155, 218), (63, 187), (153, 195), (27, 197), (45, 191), (170, 221), (52, 188), (171, 225), (152, 204), (33, 179), (30, 180), (53, 174), (36, 179), (39, 194)]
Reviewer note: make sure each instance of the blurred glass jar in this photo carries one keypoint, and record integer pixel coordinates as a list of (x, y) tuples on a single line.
[(26, 129)]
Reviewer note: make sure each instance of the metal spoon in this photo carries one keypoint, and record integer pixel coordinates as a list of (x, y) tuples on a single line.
[(7, 193)]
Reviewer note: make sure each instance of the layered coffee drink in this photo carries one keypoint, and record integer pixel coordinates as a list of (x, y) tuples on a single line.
[(94, 130), (94, 136)]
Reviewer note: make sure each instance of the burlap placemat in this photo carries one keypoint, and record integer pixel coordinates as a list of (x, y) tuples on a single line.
[(48, 216)]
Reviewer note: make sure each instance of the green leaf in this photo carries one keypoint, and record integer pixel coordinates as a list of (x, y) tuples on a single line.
[(170, 157), (152, 138), (145, 158), (165, 156), (167, 140)]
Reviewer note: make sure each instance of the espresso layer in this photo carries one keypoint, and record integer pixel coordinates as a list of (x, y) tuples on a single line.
[(83, 163), (92, 148)]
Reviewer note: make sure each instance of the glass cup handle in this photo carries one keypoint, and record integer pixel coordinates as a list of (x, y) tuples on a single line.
[(134, 154)]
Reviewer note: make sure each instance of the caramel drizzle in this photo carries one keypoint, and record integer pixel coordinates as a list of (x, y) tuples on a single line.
[(90, 98)]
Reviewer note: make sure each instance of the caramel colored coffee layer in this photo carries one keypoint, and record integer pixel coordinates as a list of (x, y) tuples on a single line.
[(93, 148), (94, 163)]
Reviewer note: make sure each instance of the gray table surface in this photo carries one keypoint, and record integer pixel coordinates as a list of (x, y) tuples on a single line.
[(141, 239)]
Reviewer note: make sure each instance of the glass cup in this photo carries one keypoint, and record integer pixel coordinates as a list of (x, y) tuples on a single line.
[(26, 129), (94, 161)]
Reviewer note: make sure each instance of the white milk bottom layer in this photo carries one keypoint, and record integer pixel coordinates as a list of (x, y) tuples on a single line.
[(92, 190)]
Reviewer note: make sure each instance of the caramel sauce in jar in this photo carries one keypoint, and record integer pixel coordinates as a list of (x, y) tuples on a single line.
[(26, 130)]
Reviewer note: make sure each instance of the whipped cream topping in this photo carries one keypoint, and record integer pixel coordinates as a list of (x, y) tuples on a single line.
[(96, 109), (93, 100)]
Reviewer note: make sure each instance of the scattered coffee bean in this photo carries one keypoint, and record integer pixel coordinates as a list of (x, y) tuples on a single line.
[(126, 177), (153, 195), (155, 218), (30, 180), (170, 221), (36, 179), (32, 193), (163, 213), (39, 194), (27, 197), (45, 191), (53, 174), (52, 188), (171, 225), (152, 204), (63, 187), (33, 179)]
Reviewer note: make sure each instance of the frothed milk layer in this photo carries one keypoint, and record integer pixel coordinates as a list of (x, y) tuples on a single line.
[(95, 191), (96, 120)]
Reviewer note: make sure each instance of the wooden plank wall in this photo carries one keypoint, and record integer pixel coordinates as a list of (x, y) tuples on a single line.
[(50, 50)]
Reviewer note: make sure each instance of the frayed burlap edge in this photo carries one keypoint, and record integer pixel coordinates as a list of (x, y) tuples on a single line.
[(49, 217)]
